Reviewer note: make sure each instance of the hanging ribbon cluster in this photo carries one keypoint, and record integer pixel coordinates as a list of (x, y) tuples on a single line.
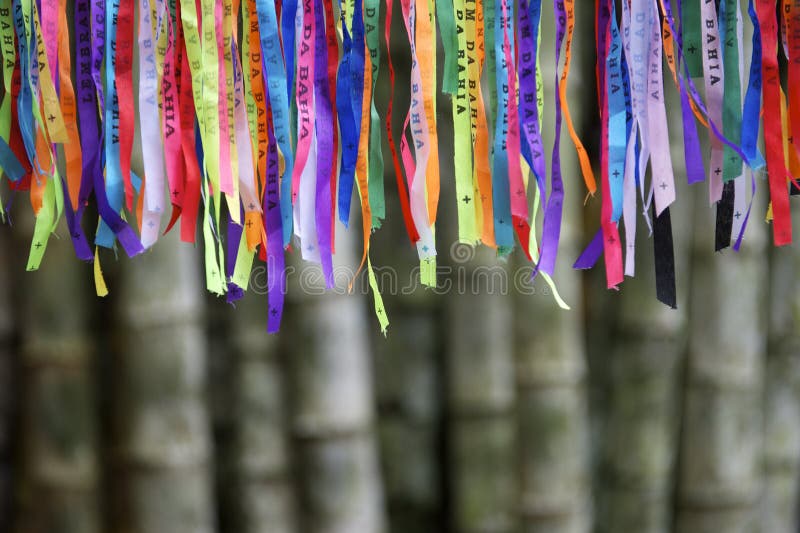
[(258, 118)]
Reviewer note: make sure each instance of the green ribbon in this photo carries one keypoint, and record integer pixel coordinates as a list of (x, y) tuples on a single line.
[(462, 139), (377, 200), (692, 37), (732, 101), (447, 27)]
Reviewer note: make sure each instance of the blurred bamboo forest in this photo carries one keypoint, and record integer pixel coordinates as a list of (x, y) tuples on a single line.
[(160, 409)]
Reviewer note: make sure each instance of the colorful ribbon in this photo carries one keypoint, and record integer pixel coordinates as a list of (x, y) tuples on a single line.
[(262, 138)]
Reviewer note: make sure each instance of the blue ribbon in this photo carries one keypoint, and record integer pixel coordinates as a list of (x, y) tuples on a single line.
[(752, 99), (113, 185), (617, 123), (289, 12), (350, 130), (25, 98), (275, 74), (501, 193)]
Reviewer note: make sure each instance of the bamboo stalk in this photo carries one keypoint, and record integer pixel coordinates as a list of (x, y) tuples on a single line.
[(161, 436), (480, 403), (408, 377), (255, 484), (779, 512), (409, 419), (721, 442), (329, 384), (644, 368), (640, 437), (551, 360), (551, 400), (58, 471), (8, 386)]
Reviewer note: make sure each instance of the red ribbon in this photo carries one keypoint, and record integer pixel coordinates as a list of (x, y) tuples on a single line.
[(773, 134)]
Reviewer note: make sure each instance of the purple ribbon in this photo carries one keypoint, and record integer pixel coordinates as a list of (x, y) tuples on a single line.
[(551, 228), (528, 21), (325, 163), (692, 91), (276, 269), (88, 94), (591, 254), (235, 293), (695, 172)]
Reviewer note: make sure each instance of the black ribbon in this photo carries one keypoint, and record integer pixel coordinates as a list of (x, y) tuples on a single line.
[(664, 253)]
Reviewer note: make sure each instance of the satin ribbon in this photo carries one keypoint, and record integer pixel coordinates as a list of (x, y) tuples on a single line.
[(9, 163), (551, 230), (186, 96), (501, 190), (257, 119), (699, 108), (447, 11), (517, 187), (152, 146), (456, 80), (402, 191), (90, 90), (201, 57), (305, 170), (714, 82), (791, 16), (276, 82), (229, 164), (304, 97), (612, 250), (372, 40), (349, 131), (288, 41), (663, 183), (333, 60), (529, 16), (692, 39), (114, 185), (617, 111), (727, 211), (273, 218), (415, 167), (123, 80), (776, 167), (168, 69), (426, 52), (695, 172), (72, 150), (326, 164), (482, 174)]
